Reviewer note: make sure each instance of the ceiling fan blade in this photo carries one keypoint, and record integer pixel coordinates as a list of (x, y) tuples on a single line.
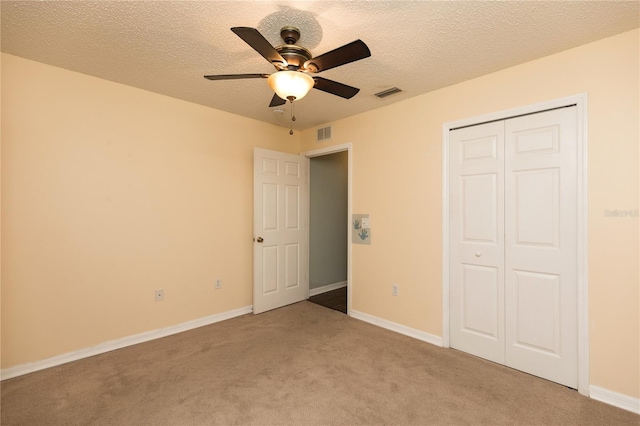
[(335, 88), (351, 52), (276, 101), (253, 38), (234, 76)]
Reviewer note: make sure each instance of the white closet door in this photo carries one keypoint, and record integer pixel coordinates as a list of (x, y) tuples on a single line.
[(513, 243), (477, 241), (541, 252)]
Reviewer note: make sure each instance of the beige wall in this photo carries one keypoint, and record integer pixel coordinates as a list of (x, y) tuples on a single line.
[(403, 143), (109, 192)]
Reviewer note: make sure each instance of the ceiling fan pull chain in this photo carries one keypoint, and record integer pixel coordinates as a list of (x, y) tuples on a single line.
[(291, 124), (293, 118)]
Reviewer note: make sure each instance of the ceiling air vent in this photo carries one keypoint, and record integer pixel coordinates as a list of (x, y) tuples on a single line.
[(388, 92), (324, 134)]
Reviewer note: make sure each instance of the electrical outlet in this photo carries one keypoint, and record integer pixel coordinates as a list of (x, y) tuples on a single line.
[(395, 290), (159, 294), (218, 283)]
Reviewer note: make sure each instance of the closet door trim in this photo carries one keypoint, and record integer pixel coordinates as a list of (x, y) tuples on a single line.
[(580, 101)]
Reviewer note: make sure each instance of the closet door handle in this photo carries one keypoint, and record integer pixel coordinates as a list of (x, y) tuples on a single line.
[(259, 239)]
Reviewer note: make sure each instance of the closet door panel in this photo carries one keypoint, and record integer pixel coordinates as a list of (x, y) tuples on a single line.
[(477, 240), (540, 245)]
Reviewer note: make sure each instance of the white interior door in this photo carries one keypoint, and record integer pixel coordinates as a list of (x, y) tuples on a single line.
[(280, 199), (541, 245), (477, 240), (513, 242)]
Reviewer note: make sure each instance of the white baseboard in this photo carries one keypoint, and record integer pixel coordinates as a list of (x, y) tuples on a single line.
[(326, 288), (616, 399), (109, 346), (398, 328)]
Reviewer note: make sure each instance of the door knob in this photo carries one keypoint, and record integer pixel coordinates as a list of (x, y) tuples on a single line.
[(259, 239), (478, 254)]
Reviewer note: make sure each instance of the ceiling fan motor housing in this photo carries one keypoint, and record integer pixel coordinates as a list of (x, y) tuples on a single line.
[(295, 55)]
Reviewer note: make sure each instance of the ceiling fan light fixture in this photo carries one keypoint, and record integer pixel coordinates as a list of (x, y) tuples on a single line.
[(292, 85)]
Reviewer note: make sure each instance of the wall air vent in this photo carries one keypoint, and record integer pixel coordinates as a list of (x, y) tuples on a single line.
[(324, 134), (388, 92)]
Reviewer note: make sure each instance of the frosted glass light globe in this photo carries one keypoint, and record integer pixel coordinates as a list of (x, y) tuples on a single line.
[(290, 84)]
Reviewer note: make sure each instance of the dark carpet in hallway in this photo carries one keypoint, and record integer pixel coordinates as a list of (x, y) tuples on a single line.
[(335, 299)]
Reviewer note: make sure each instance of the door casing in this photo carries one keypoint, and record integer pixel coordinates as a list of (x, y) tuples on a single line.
[(332, 150), (580, 101)]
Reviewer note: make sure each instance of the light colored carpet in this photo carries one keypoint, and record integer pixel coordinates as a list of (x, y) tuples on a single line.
[(303, 365)]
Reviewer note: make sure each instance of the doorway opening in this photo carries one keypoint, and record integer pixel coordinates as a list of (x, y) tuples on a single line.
[(329, 224)]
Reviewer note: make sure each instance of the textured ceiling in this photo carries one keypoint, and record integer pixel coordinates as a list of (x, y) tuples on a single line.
[(418, 46)]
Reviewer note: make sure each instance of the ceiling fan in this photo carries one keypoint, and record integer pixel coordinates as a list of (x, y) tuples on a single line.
[(294, 64)]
